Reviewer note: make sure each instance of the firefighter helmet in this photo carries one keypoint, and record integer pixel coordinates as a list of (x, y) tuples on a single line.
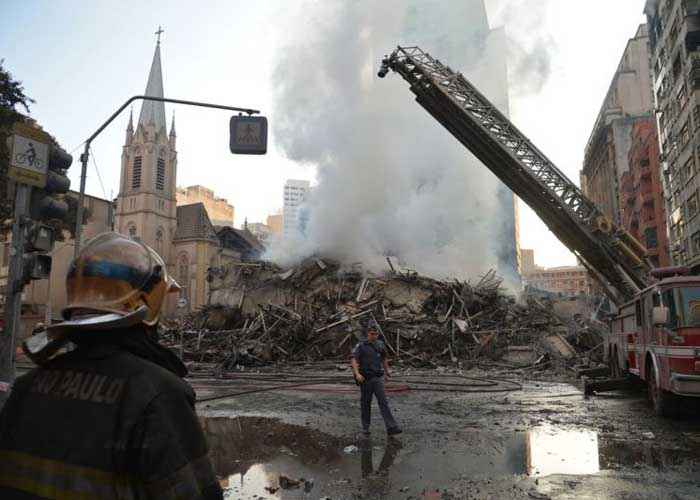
[(114, 274)]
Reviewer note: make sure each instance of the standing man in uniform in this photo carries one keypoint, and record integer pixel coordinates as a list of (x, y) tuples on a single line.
[(370, 366), (106, 414)]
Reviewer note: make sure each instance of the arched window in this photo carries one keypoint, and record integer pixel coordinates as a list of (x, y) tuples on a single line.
[(183, 274), (159, 241), (160, 174), (136, 173), (131, 228)]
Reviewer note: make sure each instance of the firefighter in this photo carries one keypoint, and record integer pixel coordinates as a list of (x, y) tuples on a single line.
[(106, 414), (370, 366)]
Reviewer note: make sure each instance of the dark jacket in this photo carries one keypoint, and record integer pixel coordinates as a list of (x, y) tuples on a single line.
[(370, 357), (102, 422)]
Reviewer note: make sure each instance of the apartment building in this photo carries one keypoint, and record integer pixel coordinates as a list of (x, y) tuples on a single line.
[(674, 41), (295, 192)]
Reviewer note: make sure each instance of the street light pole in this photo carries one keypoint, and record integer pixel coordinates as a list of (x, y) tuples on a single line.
[(86, 152), (13, 292)]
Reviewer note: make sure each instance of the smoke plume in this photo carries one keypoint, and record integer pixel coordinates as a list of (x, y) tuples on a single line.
[(529, 46), (391, 180)]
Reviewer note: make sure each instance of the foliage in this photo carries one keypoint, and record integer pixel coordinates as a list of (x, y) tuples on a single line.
[(11, 96)]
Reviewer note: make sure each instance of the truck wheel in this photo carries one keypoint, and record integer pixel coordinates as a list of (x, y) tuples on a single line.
[(663, 402)]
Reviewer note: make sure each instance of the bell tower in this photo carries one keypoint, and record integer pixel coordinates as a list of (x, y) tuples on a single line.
[(146, 205)]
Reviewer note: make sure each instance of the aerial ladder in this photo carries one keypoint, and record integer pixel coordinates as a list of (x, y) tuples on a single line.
[(615, 258)]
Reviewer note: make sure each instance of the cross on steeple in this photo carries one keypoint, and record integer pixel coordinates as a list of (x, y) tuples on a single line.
[(160, 30)]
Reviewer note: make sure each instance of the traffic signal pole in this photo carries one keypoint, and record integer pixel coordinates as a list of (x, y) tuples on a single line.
[(86, 151), (13, 294)]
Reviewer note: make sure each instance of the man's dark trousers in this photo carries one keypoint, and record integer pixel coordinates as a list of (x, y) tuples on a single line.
[(375, 386)]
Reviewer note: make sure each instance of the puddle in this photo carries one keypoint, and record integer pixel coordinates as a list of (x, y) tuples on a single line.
[(251, 453), (555, 451)]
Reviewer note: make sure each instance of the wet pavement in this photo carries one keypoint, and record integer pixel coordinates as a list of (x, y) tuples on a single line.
[(545, 441)]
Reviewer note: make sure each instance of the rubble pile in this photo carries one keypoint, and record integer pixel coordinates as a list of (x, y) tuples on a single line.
[(262, 314)]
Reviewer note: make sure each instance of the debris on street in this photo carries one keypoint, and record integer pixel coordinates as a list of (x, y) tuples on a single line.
[(261, 314)]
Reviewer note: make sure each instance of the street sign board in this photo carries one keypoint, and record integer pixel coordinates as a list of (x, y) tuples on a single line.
[(248, 135), (29, 160)]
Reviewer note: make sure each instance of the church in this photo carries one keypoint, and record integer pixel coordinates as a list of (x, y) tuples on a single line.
[(146, 207)]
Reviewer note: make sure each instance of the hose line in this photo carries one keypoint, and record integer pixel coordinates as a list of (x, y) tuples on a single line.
[(405, 384)]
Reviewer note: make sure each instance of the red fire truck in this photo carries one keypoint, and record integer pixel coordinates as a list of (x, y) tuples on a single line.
[(656, 333), (656, 336)]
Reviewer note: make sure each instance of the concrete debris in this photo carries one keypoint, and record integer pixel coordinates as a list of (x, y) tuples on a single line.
[(261, 314)]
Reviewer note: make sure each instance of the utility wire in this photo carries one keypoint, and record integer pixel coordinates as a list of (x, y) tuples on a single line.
[(99, 177)]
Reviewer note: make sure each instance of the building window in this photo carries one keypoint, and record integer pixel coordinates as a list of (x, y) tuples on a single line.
[(132, 232), (684, 136), (160, 174), (688, 170), (695, 243), (159, 242), (692, 205), (136, 173), (650, 237)]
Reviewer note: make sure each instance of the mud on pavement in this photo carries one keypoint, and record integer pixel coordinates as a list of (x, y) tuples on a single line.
[(546, 441)]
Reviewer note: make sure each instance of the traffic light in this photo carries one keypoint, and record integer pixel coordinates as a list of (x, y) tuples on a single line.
[(248, 135), (45, 206), (36, 266), (41, 238)]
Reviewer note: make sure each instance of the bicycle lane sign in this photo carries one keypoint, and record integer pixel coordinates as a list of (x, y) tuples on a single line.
[(29, 159)]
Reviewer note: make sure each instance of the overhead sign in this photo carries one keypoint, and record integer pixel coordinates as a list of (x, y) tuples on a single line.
[(248, 135), (29, 160)]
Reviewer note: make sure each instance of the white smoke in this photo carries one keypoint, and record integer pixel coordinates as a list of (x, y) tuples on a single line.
[(391, 180), (530, 47)]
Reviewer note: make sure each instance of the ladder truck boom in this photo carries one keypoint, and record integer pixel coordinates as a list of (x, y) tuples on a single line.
[(616, 259)]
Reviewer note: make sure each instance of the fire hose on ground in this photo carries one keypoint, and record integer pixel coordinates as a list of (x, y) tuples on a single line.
[(399, 384)]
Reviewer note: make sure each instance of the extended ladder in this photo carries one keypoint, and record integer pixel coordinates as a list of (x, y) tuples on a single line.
[(613, 256)]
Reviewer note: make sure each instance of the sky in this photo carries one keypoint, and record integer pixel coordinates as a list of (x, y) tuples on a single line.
[(81, 60)]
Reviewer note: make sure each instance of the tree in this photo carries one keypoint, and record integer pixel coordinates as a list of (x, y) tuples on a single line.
[(11, 96)]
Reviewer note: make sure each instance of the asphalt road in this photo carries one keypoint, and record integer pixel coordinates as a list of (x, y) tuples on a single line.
[(544, 441)]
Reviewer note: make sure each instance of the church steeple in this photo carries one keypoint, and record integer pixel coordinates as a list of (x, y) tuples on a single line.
[(147, 204), (153, 112), (172, 132), (130, 128)]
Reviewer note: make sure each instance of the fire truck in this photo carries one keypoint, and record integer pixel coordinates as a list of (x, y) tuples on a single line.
[(655, 334)]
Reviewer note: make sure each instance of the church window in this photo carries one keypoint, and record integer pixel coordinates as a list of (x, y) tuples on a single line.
[(184, 275), (160, 174), (159, 241), (132, 232), (136, 173)]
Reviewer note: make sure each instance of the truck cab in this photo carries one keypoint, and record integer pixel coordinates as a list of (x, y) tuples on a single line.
[(656, 337)]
